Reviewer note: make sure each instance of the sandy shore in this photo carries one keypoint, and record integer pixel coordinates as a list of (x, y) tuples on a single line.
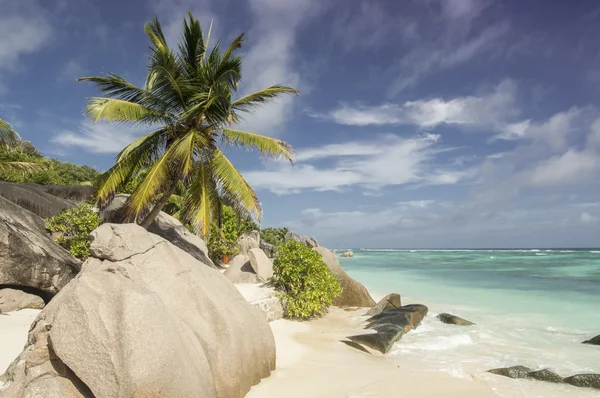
[(14, 327), (312, 362)]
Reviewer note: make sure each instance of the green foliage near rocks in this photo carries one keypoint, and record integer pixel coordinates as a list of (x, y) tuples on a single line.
[(48, 172), (274, 236), (73, 227), (222, 239), (307, 285)]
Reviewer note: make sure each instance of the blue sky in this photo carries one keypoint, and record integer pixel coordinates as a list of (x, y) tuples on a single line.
[(432, 123)]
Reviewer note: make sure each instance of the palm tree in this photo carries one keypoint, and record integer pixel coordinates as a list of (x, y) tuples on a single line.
[(9, 139), (187, 100)]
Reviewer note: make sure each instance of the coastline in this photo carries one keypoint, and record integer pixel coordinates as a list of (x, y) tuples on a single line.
[(313, 362)]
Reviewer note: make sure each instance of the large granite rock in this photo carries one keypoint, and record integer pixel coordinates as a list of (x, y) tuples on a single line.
[(310, 242), (453, 320), (240, 271), (291, 235), (390, 326), (262, 266), (28, 255), (247, 242), (269, 249), (14, 300), (591, 380), (143, 319), (593, 340), (353, 293), (390, 301), (44, 200), (545, 375), (165, 226), (514, 372)]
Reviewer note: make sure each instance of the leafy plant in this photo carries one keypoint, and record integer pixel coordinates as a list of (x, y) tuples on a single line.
[(274, 236), (307, 285), (187, 100), (73, 227)]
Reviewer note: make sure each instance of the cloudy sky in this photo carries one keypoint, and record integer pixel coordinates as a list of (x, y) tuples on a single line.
[(425, 123)]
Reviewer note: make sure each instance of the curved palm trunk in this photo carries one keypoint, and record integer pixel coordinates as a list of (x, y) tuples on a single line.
[(159, 206)]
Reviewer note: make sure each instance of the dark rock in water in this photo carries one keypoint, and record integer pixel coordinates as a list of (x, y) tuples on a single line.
[(514, 372), (593, 341), (390, 301), (28, 255), (44, 200), (454, 320), (545, 375), (353, 293), (591, 380), (390, 326), (165, 226)]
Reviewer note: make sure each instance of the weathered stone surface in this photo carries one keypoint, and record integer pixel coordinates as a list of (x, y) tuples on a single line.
[(154, 324), (269, 249), (28, 255), (240, 271), (248, 242), (44, 200), (165, 226), (591, 380), (310, 242), (593, 340), (390, 301), (14, 300), (390, 326), (514, 372), (545, 375), (293, 236), (260, 263), (353, 293), (349, 253), (264, 297), (453, 320)]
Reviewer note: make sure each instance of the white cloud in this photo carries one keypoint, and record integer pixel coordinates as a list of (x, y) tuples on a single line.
[(97, 137), (489, 110), (71, 71), (587, 218), (417, 203), (572, 167), (388, 160)]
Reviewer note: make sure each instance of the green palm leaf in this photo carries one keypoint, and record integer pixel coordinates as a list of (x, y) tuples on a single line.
[(8, 136), (251, 101), (267, 146)]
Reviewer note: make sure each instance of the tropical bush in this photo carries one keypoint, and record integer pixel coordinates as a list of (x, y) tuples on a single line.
[(306, 284), (73, 227), (274, 236)]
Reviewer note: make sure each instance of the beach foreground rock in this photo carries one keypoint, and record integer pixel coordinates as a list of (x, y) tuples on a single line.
[(590, 380), (453, 320), (262, 266), (28, 255), (14, 300), (353, 293), (143, 319), (390, 326), (390, 301), (593, 340), (240, 271)]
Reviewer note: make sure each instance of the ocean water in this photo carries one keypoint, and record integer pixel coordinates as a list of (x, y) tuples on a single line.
[(531, 307)]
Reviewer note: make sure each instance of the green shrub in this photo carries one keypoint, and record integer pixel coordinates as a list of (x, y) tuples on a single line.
[(73, 227), (274, 236), (307, 285)]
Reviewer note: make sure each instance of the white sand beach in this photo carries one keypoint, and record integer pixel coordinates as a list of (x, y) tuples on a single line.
[(14, 327), (313, 362)]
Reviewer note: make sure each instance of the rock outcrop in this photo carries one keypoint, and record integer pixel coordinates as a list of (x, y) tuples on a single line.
[(593, 340), (262, 266), (591, 380), (14, 300), (390, 326), (348, 253), (291, 235), (240, 271), (269, 249), (143, 319), (248, 241), (390, 301), (165, 226), (453, 320), (44, 200), (28, 255), (353, 293)]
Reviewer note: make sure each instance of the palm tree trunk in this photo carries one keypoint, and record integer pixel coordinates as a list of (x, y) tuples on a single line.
[(159, 206)]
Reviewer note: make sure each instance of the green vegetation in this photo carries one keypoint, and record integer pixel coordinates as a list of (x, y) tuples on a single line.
[(10, 142), (274, 236), (187, 99), (223, 238), (308, 287), (73, 227)]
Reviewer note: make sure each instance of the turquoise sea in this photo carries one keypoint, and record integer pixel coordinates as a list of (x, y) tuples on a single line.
[(531, 307)]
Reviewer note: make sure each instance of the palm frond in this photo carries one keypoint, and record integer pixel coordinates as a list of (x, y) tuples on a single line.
[(28, 167), (202, 199), (236, 44), (267, 146), (8, 136), (155, 34), (251, 101), (192, 47), (231, 181), (116, 110)]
